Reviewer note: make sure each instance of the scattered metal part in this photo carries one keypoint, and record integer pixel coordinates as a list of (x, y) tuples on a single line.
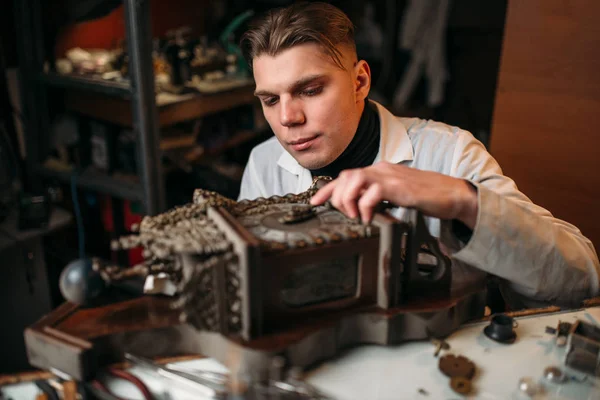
[(440, 344), (454, 366), (583, 348), (501, 329), (564, 328), (554, 374), (528, 386), (460, 385), (551, 331), (561, 332)]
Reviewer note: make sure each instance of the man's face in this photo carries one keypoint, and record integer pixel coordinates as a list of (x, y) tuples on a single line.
[(312, 105)]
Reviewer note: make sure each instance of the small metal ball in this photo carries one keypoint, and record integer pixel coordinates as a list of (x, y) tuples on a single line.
[(79, 282)]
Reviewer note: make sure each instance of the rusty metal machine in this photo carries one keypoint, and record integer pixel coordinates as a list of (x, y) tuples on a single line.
[(264, 278)]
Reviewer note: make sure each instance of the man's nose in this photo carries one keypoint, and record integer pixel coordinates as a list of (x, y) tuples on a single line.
[(291, 113)]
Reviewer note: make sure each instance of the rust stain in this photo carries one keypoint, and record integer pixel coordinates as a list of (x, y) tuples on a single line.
[(386, 273)]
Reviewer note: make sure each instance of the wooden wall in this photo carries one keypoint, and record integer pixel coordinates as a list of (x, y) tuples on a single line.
[(546, 124)]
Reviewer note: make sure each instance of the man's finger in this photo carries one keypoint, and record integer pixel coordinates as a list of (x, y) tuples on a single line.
[(368, 201), (323, 194), (340, 194), (352, 192)]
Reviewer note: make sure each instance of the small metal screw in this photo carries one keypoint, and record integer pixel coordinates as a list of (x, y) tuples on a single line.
[(439, 346), (528, 386), (554, 374)]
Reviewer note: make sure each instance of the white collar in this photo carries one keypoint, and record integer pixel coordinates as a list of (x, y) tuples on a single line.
[(394, 147)]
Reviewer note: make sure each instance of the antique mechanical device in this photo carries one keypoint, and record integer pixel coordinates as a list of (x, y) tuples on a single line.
[(269, 277)]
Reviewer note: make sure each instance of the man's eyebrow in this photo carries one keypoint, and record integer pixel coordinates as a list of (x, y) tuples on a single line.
[(300, 83), (307, 80), (263, 93)]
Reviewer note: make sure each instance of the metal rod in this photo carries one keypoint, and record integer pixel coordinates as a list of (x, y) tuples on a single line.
[(141, 74)]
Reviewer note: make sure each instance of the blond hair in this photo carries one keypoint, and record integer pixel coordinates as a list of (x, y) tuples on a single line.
[(300, 23)]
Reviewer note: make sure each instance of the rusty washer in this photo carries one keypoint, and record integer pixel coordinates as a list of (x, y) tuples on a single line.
[(460, 385)]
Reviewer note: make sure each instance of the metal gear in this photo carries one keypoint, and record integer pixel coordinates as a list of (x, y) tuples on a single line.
[(456, 366)]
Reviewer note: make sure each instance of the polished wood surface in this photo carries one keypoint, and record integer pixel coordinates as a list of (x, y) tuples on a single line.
[(137, 314), (82, 327), (545, 132)]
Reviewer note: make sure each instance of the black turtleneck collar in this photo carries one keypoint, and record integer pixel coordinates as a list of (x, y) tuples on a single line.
[(363, 148)]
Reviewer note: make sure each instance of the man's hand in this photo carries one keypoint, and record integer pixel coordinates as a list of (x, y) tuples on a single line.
[(358, 191)]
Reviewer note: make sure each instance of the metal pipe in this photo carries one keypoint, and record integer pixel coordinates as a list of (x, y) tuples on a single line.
[(141, 74)]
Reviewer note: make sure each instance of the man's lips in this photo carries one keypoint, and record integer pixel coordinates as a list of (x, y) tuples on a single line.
[(303, 144)]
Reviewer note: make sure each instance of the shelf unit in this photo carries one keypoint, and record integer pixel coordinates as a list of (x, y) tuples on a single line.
[(139, 93), (130, 104), (118, 110), (98, 181), (80, 82)]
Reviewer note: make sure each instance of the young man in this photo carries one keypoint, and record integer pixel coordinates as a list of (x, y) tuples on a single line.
[(314, 94)]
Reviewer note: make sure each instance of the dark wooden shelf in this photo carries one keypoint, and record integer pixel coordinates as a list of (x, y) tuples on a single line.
[(82, 82), (178, 109), (97, 181)]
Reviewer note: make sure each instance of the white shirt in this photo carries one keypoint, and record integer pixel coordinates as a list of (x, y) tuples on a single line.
[(540, 259)]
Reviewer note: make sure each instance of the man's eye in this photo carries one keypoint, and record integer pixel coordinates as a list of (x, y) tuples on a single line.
[(312, 91), (271, 101)]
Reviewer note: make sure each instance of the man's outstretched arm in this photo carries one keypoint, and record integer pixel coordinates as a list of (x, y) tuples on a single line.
[(539, 257)]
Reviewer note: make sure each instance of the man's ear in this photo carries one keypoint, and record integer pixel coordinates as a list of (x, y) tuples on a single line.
[(362, 81)]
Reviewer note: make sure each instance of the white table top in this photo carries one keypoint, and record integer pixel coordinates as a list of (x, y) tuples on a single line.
[(409, 371)]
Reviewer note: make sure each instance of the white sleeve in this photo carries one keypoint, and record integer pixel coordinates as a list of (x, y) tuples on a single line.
[(541, 259)]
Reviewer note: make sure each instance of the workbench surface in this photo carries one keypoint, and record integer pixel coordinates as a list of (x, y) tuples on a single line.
[(409, 371)]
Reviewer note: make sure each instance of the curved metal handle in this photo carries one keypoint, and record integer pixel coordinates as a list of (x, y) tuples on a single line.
[(442, 264)]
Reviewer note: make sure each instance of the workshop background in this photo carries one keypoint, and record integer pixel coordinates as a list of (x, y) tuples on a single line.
[(84, 154)]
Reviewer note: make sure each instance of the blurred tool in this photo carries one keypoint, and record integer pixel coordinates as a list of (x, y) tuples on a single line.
[(48, 391), (102, 392), (208, 384)]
